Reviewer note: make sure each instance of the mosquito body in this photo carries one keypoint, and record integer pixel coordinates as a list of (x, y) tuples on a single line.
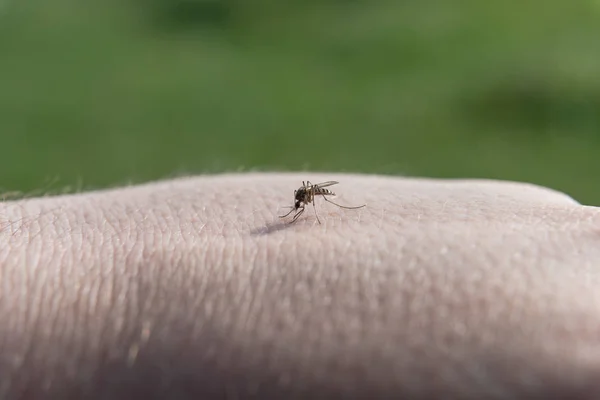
[(306, 194)]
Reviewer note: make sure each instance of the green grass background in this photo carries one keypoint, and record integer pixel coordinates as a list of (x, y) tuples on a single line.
[(98, 93)]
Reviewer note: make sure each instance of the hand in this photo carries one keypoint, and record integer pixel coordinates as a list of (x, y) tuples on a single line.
[(194, 288)]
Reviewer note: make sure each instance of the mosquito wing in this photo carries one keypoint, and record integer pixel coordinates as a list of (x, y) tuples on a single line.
[(325, 184)]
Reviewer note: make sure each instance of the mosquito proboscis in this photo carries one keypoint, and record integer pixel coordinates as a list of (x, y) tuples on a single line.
[(306, 194)]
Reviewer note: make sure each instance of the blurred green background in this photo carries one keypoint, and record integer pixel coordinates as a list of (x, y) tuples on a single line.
[(107, 92)]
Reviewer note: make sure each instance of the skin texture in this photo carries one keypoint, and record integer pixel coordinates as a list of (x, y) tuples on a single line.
[(193, 288)]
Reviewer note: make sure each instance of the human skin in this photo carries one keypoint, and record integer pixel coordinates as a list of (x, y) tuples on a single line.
[(194, 288)]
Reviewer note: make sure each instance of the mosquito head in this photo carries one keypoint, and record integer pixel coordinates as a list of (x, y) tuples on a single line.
[(300, 195)]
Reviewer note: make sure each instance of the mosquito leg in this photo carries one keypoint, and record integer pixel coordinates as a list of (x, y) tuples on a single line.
[(297, 215), (313, 193), (339, 205), (291, 211), (316, 215)]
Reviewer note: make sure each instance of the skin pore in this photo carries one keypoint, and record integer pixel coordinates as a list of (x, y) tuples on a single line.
[(194, 288)]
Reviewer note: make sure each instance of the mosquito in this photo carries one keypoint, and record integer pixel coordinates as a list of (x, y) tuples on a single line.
[(306, 194)]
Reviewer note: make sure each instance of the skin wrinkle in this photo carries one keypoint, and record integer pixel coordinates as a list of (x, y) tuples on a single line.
[(108, 262), (68, 288), (162, 240), (135, 250), (120, 295), (32, 310), (197, 283), (224, 276), (111, 229), (254, 287), (205, 301), (68, 280)]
